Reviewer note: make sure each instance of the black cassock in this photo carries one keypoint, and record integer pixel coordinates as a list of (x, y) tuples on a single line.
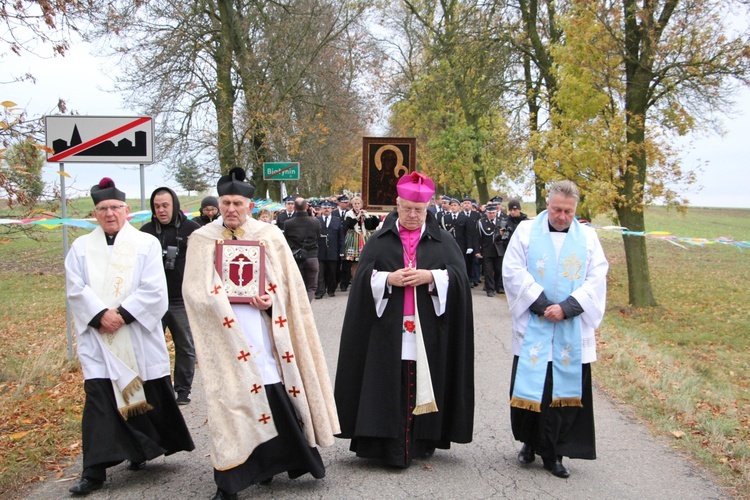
[(374, 392)]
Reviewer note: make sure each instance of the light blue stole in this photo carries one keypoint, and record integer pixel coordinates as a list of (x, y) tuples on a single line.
[(559, 277)]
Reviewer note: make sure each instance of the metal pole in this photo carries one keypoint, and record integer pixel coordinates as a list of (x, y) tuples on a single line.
[(64, 203), (143, 188)]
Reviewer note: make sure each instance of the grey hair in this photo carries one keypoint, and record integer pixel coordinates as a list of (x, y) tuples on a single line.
[(565, 188)]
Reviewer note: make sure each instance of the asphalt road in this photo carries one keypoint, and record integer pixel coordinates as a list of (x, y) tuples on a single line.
[(631, 462)]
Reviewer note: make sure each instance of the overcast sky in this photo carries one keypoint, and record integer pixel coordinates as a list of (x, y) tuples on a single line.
[(81, 80)]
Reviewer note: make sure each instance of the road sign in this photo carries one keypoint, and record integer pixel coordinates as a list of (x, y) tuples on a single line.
[(281, 171), (100, 139)]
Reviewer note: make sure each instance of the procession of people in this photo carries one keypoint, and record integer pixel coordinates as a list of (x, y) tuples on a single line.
[(236, 291)]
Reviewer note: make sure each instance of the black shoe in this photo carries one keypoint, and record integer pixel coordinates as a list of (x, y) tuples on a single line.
[(86, 486), (183, 398), (318, 296), (557, 468), (223, 495), (331, 294), (490, 294), (266, 482), (501, 291), (427, 453), (136, 466), (344, 287), (526, 455)]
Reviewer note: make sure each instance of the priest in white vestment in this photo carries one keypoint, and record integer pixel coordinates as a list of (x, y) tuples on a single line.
[(267, 385), (554, 273), (117, 293)]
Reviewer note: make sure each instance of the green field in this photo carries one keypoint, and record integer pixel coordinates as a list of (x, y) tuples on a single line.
[(684, 366)]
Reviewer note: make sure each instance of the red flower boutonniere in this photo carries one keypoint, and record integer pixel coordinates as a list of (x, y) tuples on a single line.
[(409, 325)]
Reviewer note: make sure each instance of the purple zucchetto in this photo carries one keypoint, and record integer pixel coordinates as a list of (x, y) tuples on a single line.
[(106, 190), (415, 187)]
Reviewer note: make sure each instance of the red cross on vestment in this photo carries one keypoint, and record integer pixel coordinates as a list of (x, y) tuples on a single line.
[(281, 321), (256, 388), (243, 355), (272, 287), (294, 391), (288, 357), (216, 289), (264, 418), (228, 322)]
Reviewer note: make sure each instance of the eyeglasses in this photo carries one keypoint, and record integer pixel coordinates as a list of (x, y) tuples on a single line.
[(210, 209), (106, 208), (413, 211)]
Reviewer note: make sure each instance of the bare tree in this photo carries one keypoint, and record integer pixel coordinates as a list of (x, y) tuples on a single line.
[(247, 81)]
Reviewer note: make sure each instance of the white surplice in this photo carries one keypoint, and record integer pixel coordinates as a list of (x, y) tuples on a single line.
[(147, 303), (522, 290)]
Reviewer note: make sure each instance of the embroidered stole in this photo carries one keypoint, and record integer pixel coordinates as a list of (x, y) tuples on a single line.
[(111, 278), (426, 402), (560, 276)]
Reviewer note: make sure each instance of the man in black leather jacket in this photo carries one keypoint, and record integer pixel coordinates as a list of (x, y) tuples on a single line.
[(302, 233)]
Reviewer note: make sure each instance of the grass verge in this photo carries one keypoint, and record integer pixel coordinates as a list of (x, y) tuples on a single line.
[(684, 366)]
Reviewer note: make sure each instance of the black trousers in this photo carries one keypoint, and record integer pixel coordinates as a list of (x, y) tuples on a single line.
[(493, 273), (345, 278), (309, 270), (327, 276), (184, 350)]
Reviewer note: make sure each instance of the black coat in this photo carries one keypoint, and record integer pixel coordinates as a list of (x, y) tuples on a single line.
[(489, 236), (462, 229), (368, 377), (174, 234), (331, 242), (281, 219), (303, 231)]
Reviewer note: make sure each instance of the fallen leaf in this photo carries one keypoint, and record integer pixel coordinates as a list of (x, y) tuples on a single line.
[(678, 434), (18, 435)]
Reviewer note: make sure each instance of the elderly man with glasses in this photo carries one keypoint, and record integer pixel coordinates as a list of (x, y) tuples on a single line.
[(405, 379), (117, 293)]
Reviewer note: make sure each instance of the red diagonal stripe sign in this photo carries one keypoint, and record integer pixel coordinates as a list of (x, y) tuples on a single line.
[(279, 172), (98, 140)]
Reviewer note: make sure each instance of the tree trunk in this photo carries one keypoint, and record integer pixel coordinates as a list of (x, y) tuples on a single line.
[(225, 95), (640, 293), (630, 211), (532, 101)]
